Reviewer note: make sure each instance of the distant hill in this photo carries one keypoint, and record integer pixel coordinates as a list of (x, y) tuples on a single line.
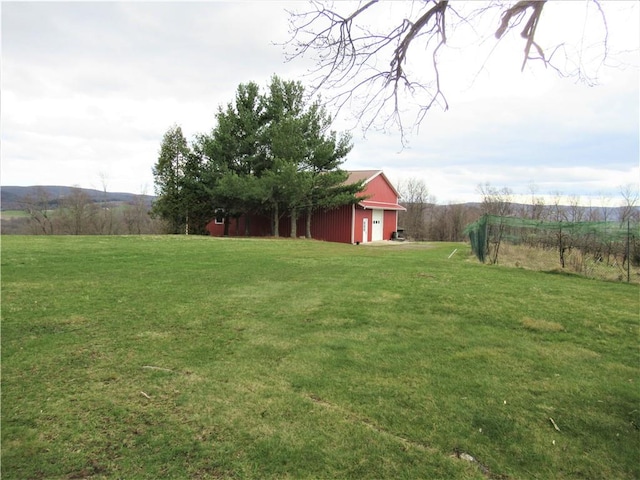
[(13, 198)]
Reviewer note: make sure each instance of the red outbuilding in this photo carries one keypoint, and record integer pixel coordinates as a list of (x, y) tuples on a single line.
[(373, 218)]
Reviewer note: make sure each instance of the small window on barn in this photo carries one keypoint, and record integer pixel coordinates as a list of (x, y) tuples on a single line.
[(219, 217)]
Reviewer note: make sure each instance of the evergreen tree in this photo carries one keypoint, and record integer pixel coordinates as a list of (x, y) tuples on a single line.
[(271, 153), (168, 173), (299, 139), (235, 154)]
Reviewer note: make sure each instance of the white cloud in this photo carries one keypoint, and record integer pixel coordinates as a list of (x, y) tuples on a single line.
[(88, 89)]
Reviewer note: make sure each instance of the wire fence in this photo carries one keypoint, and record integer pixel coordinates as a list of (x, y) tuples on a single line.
[(614, 244)]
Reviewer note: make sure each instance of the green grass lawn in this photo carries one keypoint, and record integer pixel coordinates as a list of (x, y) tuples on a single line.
[(194, 357)]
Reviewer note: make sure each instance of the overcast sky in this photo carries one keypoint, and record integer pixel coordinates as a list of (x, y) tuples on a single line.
[(89, 89)]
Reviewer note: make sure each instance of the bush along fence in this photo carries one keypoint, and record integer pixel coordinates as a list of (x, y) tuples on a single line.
[(613, 243)]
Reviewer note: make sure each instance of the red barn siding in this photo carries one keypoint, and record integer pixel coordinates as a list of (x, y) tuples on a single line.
[(360, 215), (343, 224), (214, 229), (331, 225), (390, 223), (259, 226), (328, 225), (380, 190)]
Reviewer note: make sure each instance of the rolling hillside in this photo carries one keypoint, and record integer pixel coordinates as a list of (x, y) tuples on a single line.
[(13, 198)]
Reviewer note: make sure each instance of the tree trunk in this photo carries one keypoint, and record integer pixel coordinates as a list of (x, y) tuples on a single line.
[(561, 247), (276, 221), (294, 223), (307, 234)]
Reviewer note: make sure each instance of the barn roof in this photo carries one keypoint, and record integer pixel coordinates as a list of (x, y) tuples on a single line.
[(366, 175)]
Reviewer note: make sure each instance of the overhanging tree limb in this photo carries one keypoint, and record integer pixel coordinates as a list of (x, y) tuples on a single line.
[(529, 30), (371, 61)]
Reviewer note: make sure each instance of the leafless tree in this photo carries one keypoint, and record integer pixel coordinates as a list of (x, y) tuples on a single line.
[(629, 205), (496, 201), (39, 208), (447, 222), (605, 209), (372, 55), (105, 219), (557, 212), (536, 206), (575, 211), (77, 213), (593, 212), (136, 217), (415, 197)]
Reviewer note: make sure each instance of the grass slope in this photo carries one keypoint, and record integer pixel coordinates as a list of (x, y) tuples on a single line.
[(192, 357)]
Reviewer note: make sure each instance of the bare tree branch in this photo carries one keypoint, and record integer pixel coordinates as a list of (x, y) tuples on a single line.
[(376, 67)]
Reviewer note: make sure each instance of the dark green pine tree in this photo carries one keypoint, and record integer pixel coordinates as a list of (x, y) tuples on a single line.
[(168, 173), (236, 155), (308, 155)]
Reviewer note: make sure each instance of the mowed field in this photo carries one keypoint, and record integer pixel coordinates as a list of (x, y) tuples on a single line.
[(193, 357)]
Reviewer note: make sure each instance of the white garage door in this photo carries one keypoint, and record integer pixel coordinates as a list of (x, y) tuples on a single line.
[(377, 227)]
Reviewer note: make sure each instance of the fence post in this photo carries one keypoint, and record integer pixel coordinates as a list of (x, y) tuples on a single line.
[(628, 251)]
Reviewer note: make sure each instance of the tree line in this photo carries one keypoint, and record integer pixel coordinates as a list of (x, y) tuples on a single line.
[(425, 220), (79, 214), (270, 153)]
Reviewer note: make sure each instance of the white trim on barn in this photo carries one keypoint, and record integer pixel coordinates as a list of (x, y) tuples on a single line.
[(353, 224)]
